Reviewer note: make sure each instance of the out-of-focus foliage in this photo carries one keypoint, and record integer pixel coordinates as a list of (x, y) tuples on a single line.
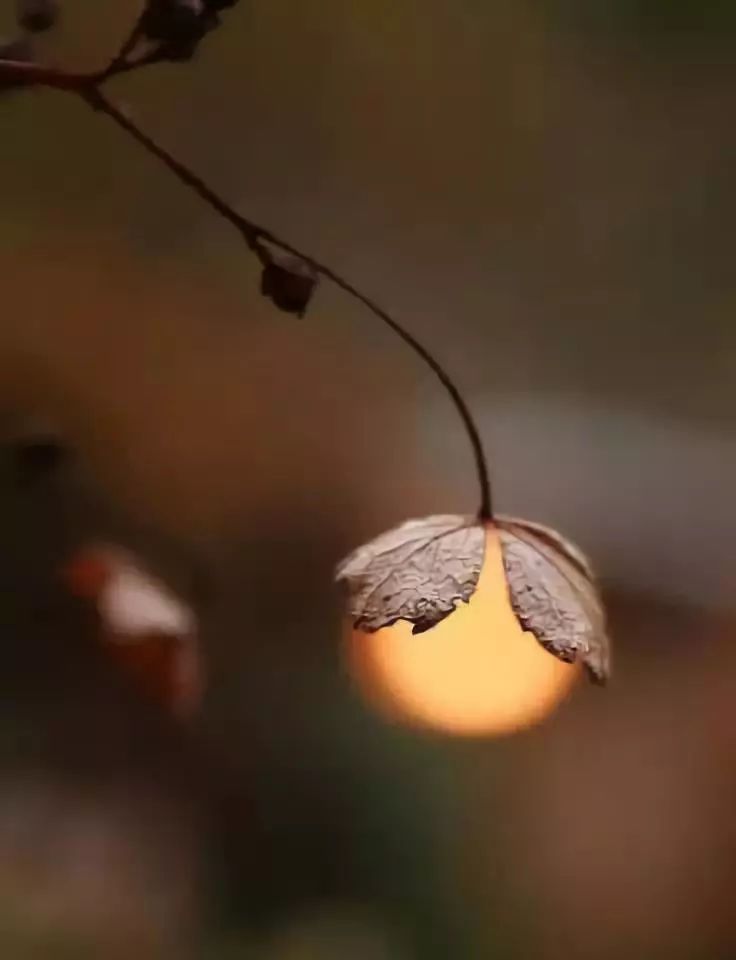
[(652, 18)]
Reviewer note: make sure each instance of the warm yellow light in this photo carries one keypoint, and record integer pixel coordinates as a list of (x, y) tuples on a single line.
[(475, 673)]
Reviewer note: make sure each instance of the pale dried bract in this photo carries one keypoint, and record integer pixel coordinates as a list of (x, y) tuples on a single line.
[(417, 572), (554, 594), (134, 604)]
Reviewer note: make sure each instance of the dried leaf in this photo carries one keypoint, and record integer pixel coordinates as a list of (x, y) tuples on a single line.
[(148, 630), (554, 594), (133, 604), (417, 572)]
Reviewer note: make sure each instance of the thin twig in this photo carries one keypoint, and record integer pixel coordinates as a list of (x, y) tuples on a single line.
[(129, 66), (88, 86), (97, 99), (33, 74), (120, 60), (252, 232)]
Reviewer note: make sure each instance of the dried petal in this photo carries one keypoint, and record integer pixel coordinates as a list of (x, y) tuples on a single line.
[(417, 572), (554, 594)]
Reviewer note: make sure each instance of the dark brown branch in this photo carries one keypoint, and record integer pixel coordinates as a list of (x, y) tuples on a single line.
[(23, 73), (88, 86), (97, 99), (120, 60), (33, 74), (253, 232), (129, 66)]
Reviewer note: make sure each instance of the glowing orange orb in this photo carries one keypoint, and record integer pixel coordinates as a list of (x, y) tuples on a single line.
[(476, 673)]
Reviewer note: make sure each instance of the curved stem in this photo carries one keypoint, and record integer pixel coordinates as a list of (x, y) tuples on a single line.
[(485, 510), (253, 233), (98, 101), (88, 87)]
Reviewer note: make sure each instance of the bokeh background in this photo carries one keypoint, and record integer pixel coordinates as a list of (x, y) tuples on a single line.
[(543, 191)]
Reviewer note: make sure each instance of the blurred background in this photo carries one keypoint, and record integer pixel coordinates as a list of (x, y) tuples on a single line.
[(543, 192)]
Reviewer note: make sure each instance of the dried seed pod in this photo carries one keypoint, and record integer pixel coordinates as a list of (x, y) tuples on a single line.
[(37, 15), (40, 454), (289, 282), (177, 25)]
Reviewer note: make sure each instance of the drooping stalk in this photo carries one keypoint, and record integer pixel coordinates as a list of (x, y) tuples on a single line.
[(89, 88), (253, 234)]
